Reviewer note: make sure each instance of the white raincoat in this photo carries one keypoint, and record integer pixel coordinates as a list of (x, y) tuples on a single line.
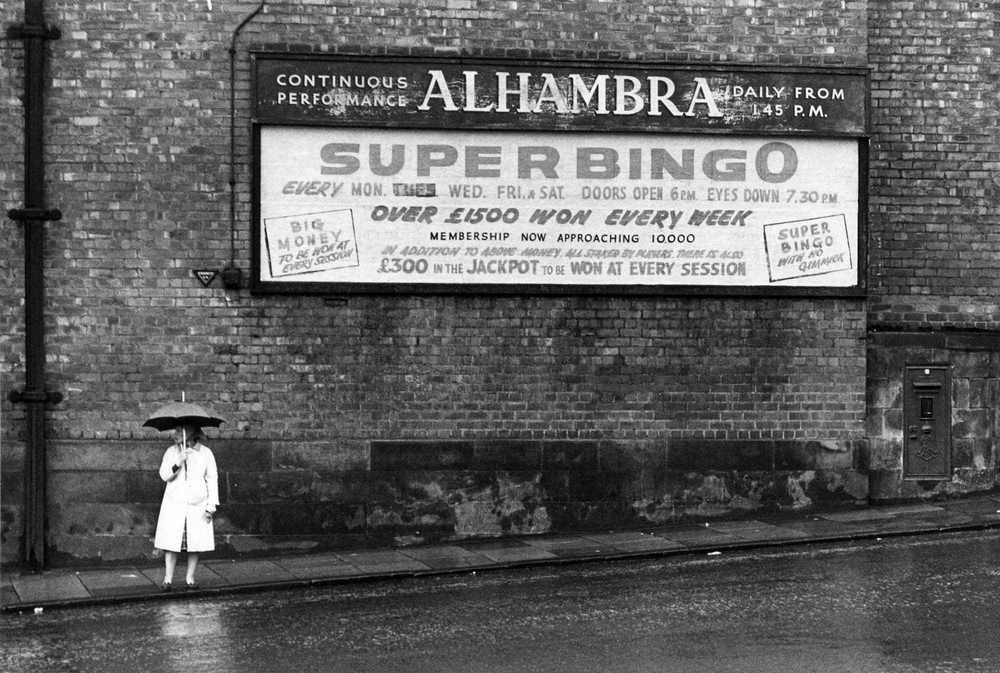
[(191, 491)]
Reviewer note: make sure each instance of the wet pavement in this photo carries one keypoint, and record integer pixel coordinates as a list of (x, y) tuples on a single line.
[(26, 591), (907, 604)]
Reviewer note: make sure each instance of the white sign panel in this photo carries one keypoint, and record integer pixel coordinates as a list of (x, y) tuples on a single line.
[(382, 207)]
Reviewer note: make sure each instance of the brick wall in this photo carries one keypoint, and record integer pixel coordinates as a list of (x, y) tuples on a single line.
[(935, 268), (770, 391), (934, 161)]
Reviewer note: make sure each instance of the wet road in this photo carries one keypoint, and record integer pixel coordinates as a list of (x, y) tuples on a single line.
[(911, 605)]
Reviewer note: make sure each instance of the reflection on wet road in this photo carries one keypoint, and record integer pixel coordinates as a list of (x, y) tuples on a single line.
[(918, 605)]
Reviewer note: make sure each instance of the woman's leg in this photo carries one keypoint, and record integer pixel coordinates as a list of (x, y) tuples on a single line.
[(169, 563), (192, 566)]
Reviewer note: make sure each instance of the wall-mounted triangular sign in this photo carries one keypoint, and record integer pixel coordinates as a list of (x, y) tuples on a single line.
[(206, 276)]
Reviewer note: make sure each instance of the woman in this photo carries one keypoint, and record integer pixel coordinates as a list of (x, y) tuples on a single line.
[(189, 501)]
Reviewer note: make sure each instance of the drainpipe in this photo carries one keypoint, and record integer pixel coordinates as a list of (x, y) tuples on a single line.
[(32, 217), (232, 277)]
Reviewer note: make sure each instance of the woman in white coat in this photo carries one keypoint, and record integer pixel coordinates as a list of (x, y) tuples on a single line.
[(189, 501)]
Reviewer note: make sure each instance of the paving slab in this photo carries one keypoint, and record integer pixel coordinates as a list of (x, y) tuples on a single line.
[(553, 542), (949, 518), (635, 541), (7, 593), (881, 513), (923, 523), (448, 556), (757, 531), (318, 566), (502, 551), (116, 582), (988, 508), (205, 576), (255, 571), (571, 546), (383, 562), (919, 508), (825, 529), (46, 587), (8, 596), (698, 536)]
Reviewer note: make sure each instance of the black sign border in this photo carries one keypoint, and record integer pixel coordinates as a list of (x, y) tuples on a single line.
[(857, 290)]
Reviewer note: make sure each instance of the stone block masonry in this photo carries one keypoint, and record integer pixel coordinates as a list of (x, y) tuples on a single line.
[(424, 491)]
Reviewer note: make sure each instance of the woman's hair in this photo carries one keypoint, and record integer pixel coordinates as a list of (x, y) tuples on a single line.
[(193, 433)]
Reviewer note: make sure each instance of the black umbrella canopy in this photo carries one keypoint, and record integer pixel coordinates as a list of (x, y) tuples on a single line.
[(177, 414)]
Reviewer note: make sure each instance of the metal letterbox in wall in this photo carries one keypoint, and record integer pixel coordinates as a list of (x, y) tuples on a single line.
[(927, 423)]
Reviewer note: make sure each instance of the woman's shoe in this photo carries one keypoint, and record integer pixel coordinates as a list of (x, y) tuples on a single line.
[(166, 586), (191, 586)]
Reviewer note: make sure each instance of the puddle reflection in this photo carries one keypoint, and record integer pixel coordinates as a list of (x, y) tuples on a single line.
[(193, 633)]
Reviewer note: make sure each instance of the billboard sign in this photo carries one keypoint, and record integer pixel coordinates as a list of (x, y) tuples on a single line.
[(550, 178)]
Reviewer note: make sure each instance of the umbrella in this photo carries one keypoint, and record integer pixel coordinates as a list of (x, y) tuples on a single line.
[(182, 413)]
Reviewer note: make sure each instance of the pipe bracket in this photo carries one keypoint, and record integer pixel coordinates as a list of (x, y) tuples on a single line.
[(25, 31), (35, 214), (34, 396)]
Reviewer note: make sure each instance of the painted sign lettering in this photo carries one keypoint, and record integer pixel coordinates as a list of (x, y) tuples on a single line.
[(387, 207)]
